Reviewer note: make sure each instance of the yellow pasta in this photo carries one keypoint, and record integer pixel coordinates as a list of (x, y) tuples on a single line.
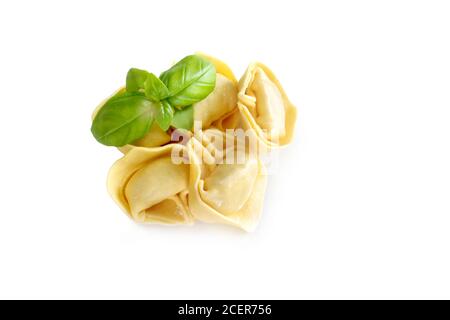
[(218, 104), (222, 101), (150, 187), (265, 107), (220, 192)]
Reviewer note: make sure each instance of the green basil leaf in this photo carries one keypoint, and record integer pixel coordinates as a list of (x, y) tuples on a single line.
[(123, 119), (121, 93), (190, 80), (184, 119), (136, 79), (164, 115), (154, 88)]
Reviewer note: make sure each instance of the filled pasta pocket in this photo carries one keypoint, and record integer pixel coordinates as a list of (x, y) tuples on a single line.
[(223, 188), (150, 187), (265, 107)]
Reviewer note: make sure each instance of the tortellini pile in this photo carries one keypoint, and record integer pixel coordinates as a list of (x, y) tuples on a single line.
[(183, 177)]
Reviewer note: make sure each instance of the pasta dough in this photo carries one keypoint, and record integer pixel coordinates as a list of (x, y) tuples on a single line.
[(156, 137), (224, 193), (264, 106), (221, 67), (219, 103), (150, 187), (222, 101)]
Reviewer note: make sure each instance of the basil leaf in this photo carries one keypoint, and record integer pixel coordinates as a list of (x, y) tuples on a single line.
[(164, 115), (184, 119), (123, 119), (121, 93), (136, 79), (190, 80), (154, 88)]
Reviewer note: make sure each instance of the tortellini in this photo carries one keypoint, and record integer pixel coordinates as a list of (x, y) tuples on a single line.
[(222, 192), (162, 179), (150, 187), (265, 107)]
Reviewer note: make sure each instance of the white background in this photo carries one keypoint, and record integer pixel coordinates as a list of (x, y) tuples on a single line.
[(360, 205)]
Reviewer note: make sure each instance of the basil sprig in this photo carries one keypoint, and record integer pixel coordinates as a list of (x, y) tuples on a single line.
[(167, 100)]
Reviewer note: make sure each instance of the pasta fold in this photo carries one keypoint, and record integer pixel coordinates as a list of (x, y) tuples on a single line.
[(223, 190), (222, 101), (150, 187), (219, 103), (265, 107)]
